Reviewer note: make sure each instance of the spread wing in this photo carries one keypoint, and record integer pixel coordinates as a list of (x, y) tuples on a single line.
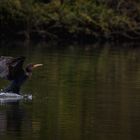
[(4, 66), (11, 68)]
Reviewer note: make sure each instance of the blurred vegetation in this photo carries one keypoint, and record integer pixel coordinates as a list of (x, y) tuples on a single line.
[(108, 19)]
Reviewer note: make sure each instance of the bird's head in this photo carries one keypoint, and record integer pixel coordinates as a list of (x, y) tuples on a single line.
[(29, 68)]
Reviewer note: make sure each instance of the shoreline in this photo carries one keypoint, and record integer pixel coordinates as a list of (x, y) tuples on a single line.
[(65, 36)]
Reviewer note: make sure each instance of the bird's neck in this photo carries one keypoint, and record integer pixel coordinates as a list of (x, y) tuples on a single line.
[(29, 74)]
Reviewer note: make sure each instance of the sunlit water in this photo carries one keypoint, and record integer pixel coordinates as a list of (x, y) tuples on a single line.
[(83, 92)]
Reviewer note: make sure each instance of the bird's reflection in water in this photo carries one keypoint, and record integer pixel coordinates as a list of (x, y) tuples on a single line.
[(15, 115), (12, 118)]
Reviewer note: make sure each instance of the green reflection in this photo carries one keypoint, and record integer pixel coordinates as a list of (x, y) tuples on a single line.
[(82, 92)]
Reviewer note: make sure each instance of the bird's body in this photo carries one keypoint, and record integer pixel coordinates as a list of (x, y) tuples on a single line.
[(16, 84), (12, 70)]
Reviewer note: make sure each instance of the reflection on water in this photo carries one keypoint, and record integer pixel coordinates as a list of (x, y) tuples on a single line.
[(83, 92), (13, 120)]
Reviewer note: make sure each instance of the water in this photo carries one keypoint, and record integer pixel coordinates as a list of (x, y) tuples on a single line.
[(83, 92)]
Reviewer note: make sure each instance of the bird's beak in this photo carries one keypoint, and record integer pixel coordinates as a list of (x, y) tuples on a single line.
[(37, 65)]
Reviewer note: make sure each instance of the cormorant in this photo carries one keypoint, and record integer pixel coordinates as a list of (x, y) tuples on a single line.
[(12, 70)]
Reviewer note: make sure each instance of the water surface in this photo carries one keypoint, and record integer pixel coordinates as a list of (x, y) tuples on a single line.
[(83, 92)]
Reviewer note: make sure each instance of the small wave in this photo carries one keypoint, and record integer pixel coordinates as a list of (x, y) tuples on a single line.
[(13, 97)]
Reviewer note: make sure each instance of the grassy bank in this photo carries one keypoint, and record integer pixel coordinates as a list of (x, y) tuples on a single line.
[(110, 19)]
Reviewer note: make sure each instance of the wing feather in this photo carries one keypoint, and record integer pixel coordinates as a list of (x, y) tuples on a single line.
[(11, 68), (4, 66)]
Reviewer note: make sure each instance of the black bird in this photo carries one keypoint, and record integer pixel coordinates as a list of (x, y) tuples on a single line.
[(12, 70)]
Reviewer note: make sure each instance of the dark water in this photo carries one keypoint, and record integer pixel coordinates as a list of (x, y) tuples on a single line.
[(83, 92)]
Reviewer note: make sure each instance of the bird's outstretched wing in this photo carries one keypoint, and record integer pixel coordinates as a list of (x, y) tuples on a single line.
[(11, 68), (4, 66)]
